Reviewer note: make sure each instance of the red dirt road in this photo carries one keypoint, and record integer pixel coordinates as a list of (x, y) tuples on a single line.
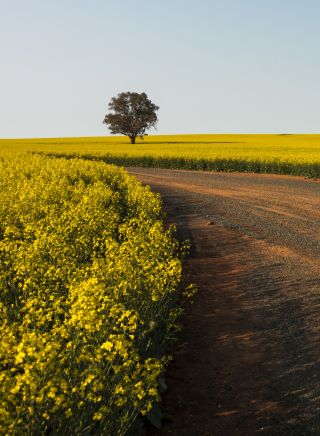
[(248, 359)]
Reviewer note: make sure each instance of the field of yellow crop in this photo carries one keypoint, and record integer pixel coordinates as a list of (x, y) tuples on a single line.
[(283, 154), (88, 296)]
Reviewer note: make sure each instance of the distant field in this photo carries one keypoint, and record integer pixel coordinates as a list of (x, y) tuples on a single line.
[(282, 154)]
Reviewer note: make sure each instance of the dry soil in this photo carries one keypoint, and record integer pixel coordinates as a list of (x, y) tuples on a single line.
[(248, 359)]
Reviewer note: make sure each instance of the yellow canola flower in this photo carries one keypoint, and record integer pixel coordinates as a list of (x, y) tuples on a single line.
[(279, 153), (20, 357), (87, 274), (107, 345), (97, 416)]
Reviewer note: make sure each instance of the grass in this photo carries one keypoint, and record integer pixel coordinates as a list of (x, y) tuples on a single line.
[(280, 154)]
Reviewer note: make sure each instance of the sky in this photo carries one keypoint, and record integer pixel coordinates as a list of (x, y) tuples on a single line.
[(213, 66)]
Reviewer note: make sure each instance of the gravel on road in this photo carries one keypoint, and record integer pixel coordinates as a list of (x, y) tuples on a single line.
[(248, 360)]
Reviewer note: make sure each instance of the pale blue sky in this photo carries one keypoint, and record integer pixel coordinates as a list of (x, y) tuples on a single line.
[(213, 66)]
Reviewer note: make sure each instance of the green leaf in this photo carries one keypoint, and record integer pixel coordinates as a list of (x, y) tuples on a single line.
[(154, 416)]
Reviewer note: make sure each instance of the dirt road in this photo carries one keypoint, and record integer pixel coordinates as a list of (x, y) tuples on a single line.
[(248, 360)]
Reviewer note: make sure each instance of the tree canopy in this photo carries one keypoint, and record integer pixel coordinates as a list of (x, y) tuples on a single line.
[(131, 114)]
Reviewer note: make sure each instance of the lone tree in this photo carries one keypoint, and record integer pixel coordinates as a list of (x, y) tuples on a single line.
[(131, 114)]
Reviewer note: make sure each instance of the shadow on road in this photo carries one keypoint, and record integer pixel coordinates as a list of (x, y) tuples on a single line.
[(248, 358)]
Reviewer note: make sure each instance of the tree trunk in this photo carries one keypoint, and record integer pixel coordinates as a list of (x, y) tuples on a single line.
[(132, 139)]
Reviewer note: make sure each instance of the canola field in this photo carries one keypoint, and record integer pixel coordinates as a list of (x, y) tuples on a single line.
[(280, 154), (89, 290)]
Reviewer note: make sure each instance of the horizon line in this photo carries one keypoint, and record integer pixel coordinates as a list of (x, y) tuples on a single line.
[(158, 135)]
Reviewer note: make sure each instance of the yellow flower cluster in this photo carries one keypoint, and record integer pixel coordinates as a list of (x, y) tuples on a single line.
[(88, 291), (297, 154)]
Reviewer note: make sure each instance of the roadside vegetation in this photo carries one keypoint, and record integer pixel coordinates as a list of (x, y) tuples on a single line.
[(89, 296), (279, 154)]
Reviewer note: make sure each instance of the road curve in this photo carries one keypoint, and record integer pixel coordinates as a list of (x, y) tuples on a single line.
[(248, 361)]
